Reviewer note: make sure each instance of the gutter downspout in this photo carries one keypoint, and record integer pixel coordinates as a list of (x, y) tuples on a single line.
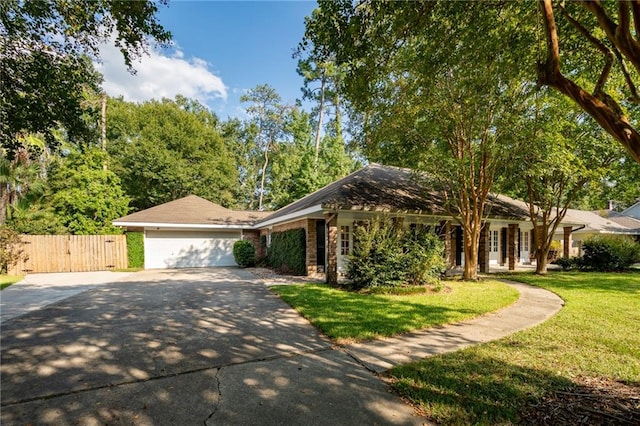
[(577, 229)]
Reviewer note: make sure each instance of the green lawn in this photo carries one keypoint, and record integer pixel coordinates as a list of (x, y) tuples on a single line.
[(595, 337), (7, 280), (347, 316)]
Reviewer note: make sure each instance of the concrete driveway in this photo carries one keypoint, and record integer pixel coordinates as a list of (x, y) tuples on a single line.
[(202, 346)]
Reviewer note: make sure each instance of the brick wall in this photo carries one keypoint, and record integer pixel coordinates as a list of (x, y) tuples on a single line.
[(483, 248), (291, 225), (332, 249), (312, 249), (254, 237)]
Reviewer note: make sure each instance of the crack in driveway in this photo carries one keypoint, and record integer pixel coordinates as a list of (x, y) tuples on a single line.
[(166, 376), (215, 409)]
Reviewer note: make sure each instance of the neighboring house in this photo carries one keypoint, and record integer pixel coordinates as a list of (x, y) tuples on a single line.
[(191, 232), (593, 224)]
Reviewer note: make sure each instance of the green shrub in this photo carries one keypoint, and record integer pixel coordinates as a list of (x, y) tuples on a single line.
[(569, 263), (135, 249), (378, 255), (288, 252), (244, 253), (386, 255), (610, 253), (424, 257)]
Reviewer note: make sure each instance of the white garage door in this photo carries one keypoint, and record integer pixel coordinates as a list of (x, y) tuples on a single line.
[(189, 249)]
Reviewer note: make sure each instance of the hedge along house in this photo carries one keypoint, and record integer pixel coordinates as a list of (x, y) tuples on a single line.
[(191, 232), (329, 216)]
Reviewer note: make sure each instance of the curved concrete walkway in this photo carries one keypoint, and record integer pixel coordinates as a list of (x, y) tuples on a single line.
[(534, 306)]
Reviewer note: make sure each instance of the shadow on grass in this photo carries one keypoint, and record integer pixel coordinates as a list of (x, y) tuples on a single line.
[(467, 388), (347, 315), (616, 282)]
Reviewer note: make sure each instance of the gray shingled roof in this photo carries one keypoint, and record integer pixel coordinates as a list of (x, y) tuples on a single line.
[(623, 220), (390, 189), (596, 223), (193, 210)]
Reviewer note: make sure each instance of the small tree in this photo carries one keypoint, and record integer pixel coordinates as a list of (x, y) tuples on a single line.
[(11, 251), (244, 253)]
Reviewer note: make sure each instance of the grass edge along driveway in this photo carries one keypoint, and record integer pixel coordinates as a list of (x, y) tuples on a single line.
[(347, 316), (7, 280), (591, 345)]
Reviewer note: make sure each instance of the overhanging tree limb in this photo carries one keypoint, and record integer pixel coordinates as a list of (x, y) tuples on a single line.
[(619, 35), (603, 108)]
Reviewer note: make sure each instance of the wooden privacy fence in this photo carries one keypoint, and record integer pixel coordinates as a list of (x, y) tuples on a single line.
[(72, 253)]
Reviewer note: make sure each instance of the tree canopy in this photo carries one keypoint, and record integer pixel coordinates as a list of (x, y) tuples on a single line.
[(164, 150), (46, 49)]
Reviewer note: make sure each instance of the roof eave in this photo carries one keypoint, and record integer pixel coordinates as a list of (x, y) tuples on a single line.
[(182, 225), (288, 217)]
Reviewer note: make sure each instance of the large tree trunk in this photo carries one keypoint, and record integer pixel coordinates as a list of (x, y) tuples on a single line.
[(543, 243), (541, 261), (262, 178), (470, 263), (319, 128)]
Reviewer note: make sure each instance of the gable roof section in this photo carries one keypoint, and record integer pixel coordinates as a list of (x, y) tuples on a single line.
[(605, 225), (633, 211), (191, 210), (380, 188)]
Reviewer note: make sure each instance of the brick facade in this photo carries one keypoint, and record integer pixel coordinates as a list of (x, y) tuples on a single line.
[(332, 248), (512, 245), (483, 248), (254, 237)]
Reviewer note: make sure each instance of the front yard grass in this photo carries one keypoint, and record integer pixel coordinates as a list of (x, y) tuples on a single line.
[(347, 316), (589, 349), (7, 280)]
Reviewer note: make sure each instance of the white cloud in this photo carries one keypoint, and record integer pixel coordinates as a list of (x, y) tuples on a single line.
[(159, 76)]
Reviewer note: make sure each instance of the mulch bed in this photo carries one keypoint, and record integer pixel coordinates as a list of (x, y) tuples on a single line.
[(590, 402)]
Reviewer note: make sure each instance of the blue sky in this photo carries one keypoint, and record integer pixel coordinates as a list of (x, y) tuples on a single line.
[(221, 49)]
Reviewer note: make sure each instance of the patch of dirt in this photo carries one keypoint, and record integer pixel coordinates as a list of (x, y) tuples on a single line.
[(271, 277), (592, 401)]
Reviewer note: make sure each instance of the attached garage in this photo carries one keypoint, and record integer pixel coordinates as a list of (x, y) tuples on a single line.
[(189, 249), (191, 232)]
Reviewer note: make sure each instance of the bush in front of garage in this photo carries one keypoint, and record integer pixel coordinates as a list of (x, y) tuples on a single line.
[(244, 253), (288, 252), (135, 249)]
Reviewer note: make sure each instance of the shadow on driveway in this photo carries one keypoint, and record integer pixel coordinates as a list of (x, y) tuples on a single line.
[(182, 346)]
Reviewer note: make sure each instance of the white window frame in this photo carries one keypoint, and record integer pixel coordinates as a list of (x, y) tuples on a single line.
[(525, 241), (345, 240), (493, 241)]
